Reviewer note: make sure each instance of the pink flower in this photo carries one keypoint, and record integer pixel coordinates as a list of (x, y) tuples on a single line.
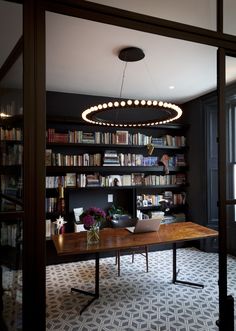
[(88, 221), (93, 216)]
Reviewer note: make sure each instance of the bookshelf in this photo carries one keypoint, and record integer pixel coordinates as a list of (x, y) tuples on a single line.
[(92, 163), (11, 190)]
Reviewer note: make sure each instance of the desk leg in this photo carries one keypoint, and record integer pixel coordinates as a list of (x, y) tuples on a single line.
[(95, 295), (175, 272)]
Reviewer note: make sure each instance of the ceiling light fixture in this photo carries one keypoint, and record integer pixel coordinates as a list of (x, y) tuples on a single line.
[(131, 112)]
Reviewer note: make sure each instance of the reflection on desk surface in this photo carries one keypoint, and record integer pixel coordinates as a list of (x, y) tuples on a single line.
[(113, 239)]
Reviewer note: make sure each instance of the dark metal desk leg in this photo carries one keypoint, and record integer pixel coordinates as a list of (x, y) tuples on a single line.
[(174, 278), (97, 275), (96, 294), (175, 272)]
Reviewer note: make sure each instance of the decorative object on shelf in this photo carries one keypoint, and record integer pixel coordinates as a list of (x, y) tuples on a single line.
[(59, 223), (156, 112), (167, 202), (165, 161), (92, 219), (150, 149)]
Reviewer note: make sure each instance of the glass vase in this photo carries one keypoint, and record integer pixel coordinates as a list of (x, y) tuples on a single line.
[(93, 235)]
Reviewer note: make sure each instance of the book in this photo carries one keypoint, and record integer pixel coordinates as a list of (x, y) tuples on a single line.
[(111, 158), (126, 180), (93, 180), (48, 230), (48, 157), (137, 178)]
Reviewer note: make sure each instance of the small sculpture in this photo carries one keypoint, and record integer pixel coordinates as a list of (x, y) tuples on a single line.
[(59, 224)]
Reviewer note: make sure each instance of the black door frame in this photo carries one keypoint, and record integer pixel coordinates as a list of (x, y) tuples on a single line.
[(34, 93)]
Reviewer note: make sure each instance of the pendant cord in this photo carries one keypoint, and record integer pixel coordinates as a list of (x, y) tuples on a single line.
[(121, 90), (123, 78)]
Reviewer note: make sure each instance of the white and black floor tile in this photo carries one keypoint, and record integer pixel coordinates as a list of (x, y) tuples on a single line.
[(138, 300)]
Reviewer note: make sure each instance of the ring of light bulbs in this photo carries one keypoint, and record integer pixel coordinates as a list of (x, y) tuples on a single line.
[(89, 115)]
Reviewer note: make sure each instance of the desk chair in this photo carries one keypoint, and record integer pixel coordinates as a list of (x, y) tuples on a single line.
[(124, 221)]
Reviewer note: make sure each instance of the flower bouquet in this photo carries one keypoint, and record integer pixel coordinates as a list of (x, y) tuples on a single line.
[(92, 219)]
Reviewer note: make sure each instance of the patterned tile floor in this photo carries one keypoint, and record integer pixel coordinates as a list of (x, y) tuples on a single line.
[(138, 300)]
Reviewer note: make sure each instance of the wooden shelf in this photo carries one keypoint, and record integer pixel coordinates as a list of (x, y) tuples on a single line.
[(111, 169), (16, 120), (124, 187), (10, 256), (11, 169), (11, 141), (113, 146), (11, 215), (172, 207)]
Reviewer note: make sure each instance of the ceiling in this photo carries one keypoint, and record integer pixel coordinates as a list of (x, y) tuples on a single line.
[(82, 56)]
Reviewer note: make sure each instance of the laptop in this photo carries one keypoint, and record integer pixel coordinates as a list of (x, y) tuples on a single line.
[(148, 225)]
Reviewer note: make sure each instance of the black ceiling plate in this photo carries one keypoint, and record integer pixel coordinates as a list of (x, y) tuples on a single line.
[(131, 54)]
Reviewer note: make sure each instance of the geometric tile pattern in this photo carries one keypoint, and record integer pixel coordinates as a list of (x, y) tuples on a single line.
[(138, 300)]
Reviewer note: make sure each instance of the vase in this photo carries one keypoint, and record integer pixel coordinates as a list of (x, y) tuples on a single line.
[(93, 235)]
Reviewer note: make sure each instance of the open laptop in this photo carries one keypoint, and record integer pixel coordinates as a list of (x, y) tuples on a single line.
[(148, 225)]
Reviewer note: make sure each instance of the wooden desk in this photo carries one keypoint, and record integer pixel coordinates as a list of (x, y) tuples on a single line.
[(115, 239)]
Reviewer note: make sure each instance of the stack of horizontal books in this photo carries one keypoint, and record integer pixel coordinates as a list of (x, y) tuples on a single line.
[(111, 158)]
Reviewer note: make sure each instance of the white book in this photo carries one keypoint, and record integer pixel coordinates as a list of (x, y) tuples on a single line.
[(48, 231)]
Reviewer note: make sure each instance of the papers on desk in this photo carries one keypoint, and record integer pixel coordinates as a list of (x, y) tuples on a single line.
[(130, 228)]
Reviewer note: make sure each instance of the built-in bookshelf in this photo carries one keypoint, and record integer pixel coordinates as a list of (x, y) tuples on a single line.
[(110, 158), (11, 189), (96, 162), (11, 160), (118, 137)]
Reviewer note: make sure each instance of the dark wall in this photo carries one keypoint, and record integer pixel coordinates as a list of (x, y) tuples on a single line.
[(197, 198), (71, 104)]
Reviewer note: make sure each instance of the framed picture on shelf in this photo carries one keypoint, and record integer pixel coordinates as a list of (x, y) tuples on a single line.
[(122, 137), (70, 180), (115, 180), (145, 203)]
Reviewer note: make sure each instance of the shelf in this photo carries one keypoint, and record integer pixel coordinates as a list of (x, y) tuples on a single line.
[(123, 187), (10, 256), (113, 169), (5, 169), (11, 215), (11, 141), (113, 146), (54, 214), (9, 121), (172, 208)]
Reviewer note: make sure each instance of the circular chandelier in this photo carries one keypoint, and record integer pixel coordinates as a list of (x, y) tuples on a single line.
[(131, 112)]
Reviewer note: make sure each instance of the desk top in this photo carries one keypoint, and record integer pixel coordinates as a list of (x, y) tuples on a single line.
[(114, 239)]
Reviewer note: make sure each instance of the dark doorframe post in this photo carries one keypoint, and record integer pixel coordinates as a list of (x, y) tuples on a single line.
[(34, 298), (226, 303)]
